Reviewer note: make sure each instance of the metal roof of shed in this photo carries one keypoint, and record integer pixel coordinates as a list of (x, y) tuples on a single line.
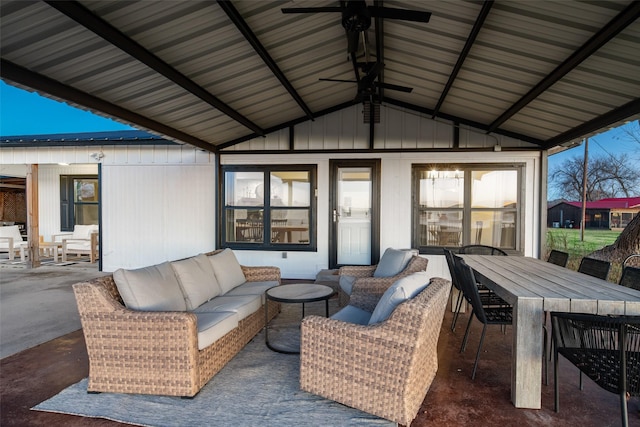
[(211, 74)]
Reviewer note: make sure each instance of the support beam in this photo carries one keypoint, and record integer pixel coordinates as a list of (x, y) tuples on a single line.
[(33, 218), (609, 31), (102, 28), (241, 24), (482, 16), (616, 115), (23, 76)]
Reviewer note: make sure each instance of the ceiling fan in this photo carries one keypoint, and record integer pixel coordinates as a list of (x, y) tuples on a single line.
[(356, 20), (356, 17), (367, 85)]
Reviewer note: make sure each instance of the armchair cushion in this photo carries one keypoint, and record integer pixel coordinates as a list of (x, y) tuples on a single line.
[(84, 231), (393, 261), (353, 314), (197, 280), (346, 283), (227, 270), (153, 288), (402, 290)]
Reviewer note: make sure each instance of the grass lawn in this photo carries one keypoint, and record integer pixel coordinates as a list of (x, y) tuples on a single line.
[(568, 240)]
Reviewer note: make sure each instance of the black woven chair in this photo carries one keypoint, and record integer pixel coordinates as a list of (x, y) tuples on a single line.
[(630, 277), (481, 250), (558, 258), (488, 315), (595, 267), (455, 283), (605, 348)]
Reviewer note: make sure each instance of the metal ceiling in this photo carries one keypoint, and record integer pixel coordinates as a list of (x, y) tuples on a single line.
[(211, 74)]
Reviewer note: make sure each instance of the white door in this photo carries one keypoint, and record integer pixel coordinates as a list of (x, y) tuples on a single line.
[(352, 214)]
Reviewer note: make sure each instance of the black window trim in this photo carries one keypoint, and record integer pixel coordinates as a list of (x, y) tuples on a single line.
[(267, 245)]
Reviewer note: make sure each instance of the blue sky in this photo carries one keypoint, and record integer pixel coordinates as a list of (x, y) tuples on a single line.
[(27, 113)]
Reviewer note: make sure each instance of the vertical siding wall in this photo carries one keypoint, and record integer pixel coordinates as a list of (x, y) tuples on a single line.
[(158, 203)]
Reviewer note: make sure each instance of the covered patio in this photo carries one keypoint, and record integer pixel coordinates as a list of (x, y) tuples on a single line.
[(475, 99)]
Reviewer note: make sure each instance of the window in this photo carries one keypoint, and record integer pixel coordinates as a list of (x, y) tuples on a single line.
[(269, 208), (456, 206), (78, 201)]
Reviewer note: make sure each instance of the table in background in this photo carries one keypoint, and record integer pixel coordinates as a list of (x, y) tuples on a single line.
[(534, 286)]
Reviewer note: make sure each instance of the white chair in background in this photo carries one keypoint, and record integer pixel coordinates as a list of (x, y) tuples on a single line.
[(82, 241), (11, 241)]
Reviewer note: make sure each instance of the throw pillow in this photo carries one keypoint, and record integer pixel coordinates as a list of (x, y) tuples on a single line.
[(402, 290), (393, 261), (227, 269), (153, 288), (197, 280)]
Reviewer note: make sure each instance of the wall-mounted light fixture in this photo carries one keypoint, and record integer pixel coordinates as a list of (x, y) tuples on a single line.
[(97, 156)]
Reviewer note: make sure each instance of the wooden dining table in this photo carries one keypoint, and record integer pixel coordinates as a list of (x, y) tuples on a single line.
[(533, 286)]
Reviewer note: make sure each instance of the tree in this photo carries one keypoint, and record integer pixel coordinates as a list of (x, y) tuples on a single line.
[(608, 176), (627, 243)]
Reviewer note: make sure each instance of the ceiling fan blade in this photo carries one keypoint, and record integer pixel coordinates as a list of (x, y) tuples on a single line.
[(310, 9), (404, 14), (394, 87), (338, 80)]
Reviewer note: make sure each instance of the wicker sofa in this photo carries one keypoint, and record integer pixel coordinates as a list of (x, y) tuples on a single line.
[(169, 347), (384, 368)]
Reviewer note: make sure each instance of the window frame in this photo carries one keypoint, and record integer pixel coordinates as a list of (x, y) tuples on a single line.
[(467, 210), (266, 244)]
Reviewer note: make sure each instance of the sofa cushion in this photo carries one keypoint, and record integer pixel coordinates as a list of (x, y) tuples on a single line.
[(153, 288), (353, 314), (244, 305), (197, 280), (227, 269), (393, 261), (213, 326), (346, 283), (402, 290), (253, 288)]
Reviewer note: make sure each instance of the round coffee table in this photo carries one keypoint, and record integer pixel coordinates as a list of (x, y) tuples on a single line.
[(298, 293)]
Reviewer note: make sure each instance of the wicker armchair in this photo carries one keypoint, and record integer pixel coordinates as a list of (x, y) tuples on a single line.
[(384, 369), (147, 352), (605, 348), (376, 285)]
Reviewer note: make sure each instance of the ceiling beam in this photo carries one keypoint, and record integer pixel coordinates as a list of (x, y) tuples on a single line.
[(477, 26), (455, 119), (599, 39), (242, 26), (288, 124), (614, 116), (25, 77), (97, 25), (380, 49)]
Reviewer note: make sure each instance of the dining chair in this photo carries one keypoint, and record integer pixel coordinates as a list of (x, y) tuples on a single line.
[(632, 260), (558, 258), (481, 250), (605, 348), (630, 277), (454, 283), (487, 315), (595, 267)]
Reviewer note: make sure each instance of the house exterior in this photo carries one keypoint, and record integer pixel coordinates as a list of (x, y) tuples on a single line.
[(162, 201), (610, 213), (427, 135)]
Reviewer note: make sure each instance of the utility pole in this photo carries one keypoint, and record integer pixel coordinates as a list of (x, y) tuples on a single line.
[(584, 188)]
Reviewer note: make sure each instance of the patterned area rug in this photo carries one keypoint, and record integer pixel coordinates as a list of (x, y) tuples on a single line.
[(258, 387)]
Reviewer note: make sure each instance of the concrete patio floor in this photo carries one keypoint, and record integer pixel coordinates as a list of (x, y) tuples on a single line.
[(39, 365)]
